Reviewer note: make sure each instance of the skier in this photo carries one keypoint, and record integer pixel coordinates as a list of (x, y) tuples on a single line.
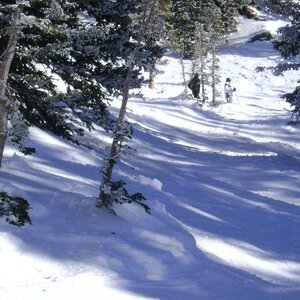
[(194, 85), (228, 90)]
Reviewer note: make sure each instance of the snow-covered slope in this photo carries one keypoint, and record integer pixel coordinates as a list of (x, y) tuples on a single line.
[(222, 182)]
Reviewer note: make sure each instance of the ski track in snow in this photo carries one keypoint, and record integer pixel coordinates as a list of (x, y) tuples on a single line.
[(222, 182)]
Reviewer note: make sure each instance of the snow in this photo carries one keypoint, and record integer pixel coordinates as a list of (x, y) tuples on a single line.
[(222, 183)]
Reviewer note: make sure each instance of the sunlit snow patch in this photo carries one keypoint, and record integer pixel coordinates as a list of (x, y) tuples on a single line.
[(154, 183), (244, 256), (232, 153)]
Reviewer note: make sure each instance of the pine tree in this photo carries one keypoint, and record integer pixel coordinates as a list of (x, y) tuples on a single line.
[(218, 27), (185, 34), (81, 43), (7, 57), (162, 12), (288, 44), (221, 20), (228, 15), (200, 59), (87, 41), (197, 27), (111, 191), (182, 24)]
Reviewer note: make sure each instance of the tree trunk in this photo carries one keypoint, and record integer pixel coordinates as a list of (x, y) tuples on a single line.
[(199, 61), (116, 143), (183, 72), (213, 84), (7, 58), (112, 159), (202, 60), (215, 71), (152, 74)]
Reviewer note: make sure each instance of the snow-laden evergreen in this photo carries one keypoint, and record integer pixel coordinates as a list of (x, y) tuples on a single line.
[(222, 183), (288, 44)]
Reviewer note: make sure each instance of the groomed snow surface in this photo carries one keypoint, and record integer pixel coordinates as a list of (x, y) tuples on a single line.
[(222, 182)]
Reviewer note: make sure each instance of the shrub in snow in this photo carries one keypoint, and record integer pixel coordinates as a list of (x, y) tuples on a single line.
[(14, 209), (116, 193), (263, 36), (294, 99)]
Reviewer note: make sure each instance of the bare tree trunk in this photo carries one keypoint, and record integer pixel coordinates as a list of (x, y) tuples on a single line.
[(202, 58), (116, 143), (183, 72), (112, 159), (152, 74), (213, 75), (7, 58), (202, 80), (198, 65)]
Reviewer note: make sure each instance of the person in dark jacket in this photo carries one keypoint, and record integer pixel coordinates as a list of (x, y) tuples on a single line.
[(194, 85)]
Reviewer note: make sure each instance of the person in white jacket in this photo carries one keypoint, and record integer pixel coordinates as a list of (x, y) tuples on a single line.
[(228, 90)]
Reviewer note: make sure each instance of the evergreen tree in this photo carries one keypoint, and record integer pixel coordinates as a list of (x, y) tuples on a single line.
[(186, 14), (200, 59), (111, 191), (288, 44), (83, 47), (228, 13), (81, 43), (182, 24), (7, 56), (218, 27), (159, 27), (197, 28), (97, 49)]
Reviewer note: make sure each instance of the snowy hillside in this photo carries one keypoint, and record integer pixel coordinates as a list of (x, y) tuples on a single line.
[(222, 183)]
